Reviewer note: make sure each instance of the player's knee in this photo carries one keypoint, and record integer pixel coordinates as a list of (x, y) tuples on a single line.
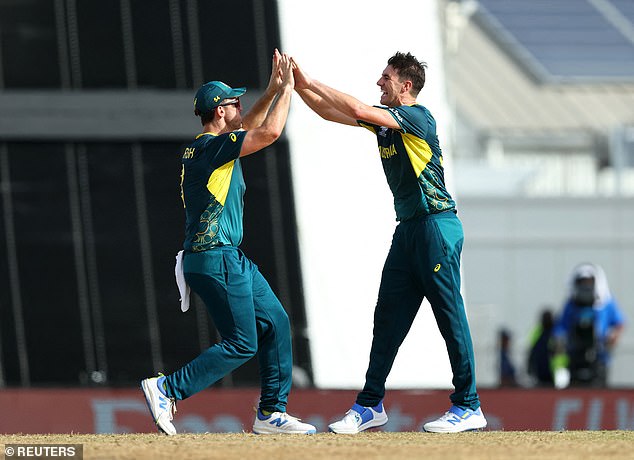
[(245, 348)]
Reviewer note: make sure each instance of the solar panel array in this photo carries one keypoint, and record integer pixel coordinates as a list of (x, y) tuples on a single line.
[(565, 40)]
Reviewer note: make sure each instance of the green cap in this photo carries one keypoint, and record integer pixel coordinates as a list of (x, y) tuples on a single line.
[(211, 94)]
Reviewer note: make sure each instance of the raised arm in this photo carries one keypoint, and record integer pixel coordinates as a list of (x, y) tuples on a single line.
[(323, 109), (255, 117), (337, 106), (271, 128)]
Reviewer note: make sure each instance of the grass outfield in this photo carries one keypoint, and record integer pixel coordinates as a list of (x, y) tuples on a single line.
[(505, 445)]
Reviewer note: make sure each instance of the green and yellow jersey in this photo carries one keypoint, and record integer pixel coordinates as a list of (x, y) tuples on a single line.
[(412, 161), (212, 188)]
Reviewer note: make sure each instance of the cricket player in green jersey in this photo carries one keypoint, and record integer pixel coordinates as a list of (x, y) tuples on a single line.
[(424, 258), (246, 312)]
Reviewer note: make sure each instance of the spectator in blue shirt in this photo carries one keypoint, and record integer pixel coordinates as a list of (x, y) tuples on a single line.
[(590, 326)]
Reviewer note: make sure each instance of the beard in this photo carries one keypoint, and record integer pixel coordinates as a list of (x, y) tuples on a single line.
[(235, 123)]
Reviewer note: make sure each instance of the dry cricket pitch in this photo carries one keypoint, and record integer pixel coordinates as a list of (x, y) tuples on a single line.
[(507, 445)]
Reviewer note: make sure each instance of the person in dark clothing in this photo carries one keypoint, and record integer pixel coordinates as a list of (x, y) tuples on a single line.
[(507, 368), (542, 351), (590, 326)]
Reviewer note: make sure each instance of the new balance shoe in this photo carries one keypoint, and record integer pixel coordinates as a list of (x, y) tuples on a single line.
[(280, 423), (457, 420), (360, 418), (161, 407)]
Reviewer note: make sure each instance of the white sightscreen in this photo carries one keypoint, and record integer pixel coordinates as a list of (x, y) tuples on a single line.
[(344, 207)]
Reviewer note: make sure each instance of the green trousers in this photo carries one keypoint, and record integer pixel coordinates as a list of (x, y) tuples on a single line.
[(423, 262), (250, 320)]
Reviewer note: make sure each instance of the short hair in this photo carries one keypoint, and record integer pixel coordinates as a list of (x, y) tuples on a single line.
[(205, 117), (409, 68)]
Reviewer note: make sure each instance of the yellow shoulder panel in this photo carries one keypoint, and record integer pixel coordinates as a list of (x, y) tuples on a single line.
[(418, 151), (219, 181)]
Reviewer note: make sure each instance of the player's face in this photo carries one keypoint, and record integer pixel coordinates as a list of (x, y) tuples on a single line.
[(233, 113), (391, 87)]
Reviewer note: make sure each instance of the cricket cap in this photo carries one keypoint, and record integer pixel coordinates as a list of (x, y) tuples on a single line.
[(211, 94)]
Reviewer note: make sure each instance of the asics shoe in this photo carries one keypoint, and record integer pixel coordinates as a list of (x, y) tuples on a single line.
[(161, 407), (360, 418), (456, 420), (280, 423)]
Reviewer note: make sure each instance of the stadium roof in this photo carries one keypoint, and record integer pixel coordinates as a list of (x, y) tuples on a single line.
[(494, 90), (565, 40)]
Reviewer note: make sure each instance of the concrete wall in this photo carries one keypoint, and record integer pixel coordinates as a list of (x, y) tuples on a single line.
[(517, 258)]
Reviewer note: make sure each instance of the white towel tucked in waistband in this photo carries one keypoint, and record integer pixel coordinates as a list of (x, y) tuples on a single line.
[(183, 288)]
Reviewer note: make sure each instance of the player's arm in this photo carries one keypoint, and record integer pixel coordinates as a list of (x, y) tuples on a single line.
[(323, 109), (349, 106), (271, 128), (256, 115), (613, 335), (616, 324)]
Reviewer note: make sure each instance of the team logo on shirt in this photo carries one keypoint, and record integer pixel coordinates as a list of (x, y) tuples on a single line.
[(437, 268), (233, 137), (383, 131)]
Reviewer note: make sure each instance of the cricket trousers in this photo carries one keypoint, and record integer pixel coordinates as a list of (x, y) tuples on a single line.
[(423, 262), (250, 320)]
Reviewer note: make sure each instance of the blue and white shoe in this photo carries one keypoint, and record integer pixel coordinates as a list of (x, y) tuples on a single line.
[(457, 420), (360, 418), (280, 423), (161, 407)]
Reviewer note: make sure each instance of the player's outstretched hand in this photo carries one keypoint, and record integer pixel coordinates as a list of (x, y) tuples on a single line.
[(286, 69), (302, 80), (276, 75)]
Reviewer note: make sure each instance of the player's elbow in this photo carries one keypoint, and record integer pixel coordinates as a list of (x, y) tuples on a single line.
[(267, 135), (359, 112), (273, 133), (258, 139)]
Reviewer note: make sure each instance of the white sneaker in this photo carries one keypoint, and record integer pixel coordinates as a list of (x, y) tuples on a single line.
[(360, 418), (280, 423), (456, 420), (161, 407)]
